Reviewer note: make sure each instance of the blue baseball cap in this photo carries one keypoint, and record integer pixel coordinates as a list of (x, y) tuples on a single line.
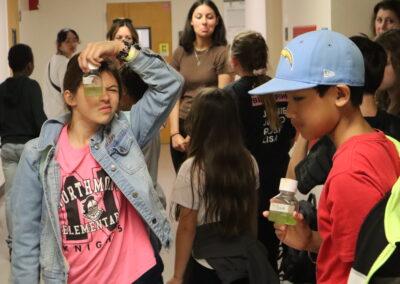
[(316, 58)]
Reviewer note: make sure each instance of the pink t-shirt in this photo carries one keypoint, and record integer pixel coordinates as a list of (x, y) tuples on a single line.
[(103, 237)]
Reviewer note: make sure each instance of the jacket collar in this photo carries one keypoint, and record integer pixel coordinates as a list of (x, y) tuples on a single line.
[(50, 131)]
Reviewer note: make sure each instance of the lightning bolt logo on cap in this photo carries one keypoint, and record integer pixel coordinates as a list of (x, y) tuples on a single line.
[(288, 55)]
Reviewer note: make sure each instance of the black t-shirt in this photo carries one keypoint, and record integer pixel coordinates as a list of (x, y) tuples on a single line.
[(21, 110), (314, 168), (270, 148)]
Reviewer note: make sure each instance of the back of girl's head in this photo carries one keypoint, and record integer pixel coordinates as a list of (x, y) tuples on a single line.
[(220, 157), (213, 120), (73, 75), (122, 22), (392, 5), (134, 86), (188, 36), (63, 34), (251, 50), (390, 41), (374, 60)]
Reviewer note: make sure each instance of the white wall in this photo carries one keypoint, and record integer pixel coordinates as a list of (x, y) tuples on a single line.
[(4, 70), (39, 28), (304, 13), (256, 19), (352, 17)]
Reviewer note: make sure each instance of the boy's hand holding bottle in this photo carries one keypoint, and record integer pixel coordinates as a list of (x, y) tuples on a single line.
[(290, 226)]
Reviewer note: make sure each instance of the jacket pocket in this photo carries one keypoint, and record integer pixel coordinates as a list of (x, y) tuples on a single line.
[(125, 153)]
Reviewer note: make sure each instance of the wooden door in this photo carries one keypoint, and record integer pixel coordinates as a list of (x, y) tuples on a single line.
[(156, 16), (13, 22)]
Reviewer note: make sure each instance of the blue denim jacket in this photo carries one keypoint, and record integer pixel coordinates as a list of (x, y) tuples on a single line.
[(117, 148)]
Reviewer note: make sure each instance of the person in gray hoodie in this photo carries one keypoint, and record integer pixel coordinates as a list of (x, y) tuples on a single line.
[(21, 115)]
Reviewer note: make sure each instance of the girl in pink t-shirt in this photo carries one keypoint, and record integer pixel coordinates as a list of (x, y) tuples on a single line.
[(93, 215)]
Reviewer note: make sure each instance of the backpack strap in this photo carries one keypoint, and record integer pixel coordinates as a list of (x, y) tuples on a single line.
[(51, 82), (391, 223)]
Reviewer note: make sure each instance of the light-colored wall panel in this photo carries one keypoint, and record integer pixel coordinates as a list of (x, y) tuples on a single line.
[(4, 73), (304, 13), (274, 33), (351, 17), (39, 28)]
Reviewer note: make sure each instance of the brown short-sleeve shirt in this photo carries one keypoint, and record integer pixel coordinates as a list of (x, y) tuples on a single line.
[(199, 72)]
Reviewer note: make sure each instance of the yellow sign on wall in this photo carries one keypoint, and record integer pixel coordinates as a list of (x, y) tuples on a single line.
[(164, 49)]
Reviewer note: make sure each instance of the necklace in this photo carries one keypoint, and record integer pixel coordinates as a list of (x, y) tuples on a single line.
[(196, 55)]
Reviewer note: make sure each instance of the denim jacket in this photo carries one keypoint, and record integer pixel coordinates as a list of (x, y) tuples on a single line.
[(37, 242)]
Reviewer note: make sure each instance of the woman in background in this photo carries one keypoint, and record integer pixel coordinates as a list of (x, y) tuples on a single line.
[(388, 95), (53, 101), (386, 16), (123, 30), (202, 59)]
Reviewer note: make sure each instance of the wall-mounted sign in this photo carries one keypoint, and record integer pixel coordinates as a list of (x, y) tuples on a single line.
[(144, 36), (164, 49), (298, 30)]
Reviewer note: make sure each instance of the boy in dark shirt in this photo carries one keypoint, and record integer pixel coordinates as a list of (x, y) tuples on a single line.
[(21, 114)]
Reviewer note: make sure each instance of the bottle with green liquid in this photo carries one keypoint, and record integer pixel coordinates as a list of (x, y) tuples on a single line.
[(282, 205), (92, 84)]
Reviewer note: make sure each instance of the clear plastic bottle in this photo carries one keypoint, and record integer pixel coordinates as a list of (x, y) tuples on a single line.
[(282, 205), (92, 84)]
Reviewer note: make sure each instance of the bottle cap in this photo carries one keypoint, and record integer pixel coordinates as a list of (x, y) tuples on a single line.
[(92, 67), (288, 184)]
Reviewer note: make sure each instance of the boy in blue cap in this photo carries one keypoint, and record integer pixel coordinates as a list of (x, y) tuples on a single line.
[(322, 73)]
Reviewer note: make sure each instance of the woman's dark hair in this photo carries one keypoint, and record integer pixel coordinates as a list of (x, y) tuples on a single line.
[(222, 167), (73, 75), (392, 5), (19, 56), (62, 36), (390, 41), (251, 50), (134, 87), (375, 59), (122, 22), (188, 36)]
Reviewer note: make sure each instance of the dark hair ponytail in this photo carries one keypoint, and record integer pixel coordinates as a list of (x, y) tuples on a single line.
[(251, 50)]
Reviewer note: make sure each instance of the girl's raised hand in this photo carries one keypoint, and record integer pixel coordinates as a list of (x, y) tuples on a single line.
[(96, 52)]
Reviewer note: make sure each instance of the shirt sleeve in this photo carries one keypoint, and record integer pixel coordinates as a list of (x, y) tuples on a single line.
[(222, 62), (350, 198), (182, 192), (176, 58)]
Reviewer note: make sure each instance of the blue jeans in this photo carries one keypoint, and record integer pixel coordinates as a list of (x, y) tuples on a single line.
[(10, 155)]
